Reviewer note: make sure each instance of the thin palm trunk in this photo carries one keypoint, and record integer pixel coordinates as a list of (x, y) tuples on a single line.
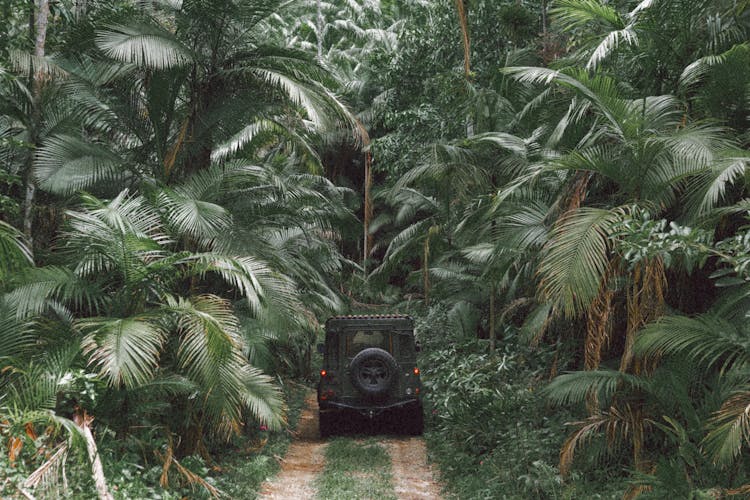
[(368, 212), (493, 334), (320, 31), (464, 23), (39, 43)]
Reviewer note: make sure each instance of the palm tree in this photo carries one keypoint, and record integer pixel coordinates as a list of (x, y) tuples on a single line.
[(157, 105), (142, 317), (714, 343)]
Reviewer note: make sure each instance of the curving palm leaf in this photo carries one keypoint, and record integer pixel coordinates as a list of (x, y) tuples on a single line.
[(126, 350), (729, 429), (67, 164), (576, 387), (144, 44), (576, 258), (710, 340), (14, 252)]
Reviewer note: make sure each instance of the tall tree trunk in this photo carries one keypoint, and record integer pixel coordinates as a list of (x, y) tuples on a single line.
[(36, 116), (368, 211), (464, 24), (493, 333), (319, 27)]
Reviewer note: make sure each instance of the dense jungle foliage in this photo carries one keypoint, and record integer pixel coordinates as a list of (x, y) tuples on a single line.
[(558, 191)]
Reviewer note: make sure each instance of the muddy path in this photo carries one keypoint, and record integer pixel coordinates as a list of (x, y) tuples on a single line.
[(413, 477)]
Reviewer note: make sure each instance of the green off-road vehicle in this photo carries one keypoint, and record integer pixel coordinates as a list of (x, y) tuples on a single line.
[(370, 368)]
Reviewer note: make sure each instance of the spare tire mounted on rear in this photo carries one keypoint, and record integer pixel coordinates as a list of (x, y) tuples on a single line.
[(373, 371)]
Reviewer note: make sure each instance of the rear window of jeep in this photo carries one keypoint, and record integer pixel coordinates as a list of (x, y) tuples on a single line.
[(363, 339)]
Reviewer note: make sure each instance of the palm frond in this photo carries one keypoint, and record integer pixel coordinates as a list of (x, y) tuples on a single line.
[(14, 252), (65, 164), (576, 258), (729, 429), (697, 70), (262, 397), (575, 387), (144, 44), (41, 287), (15, 335), (201, 220), (709, 340), (244, 137), (613, 40), (709, 188), (574, 14), (126, 350)]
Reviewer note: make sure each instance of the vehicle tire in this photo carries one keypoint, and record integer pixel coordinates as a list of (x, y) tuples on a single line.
[(415, 421), (373, 371), (326, 424)]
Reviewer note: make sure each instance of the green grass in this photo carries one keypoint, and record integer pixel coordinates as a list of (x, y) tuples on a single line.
[(355, 470)]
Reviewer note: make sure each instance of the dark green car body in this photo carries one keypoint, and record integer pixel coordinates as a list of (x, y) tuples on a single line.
[(370, 368)]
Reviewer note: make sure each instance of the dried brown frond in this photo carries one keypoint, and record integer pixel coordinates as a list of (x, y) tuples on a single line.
[(730, 428), (635, 491), (628, 424), (599, 330), (167, 463), (47, 475), (29, 429), (645, 303), (191, 477), (743, 490), (573, 196), (15, 445), (171, 155), (587, 428)]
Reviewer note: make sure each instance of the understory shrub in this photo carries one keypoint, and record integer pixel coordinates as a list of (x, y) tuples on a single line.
[(133, 469), (489, 429)]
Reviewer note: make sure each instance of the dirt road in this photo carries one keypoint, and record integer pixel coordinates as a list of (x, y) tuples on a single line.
[(413, 478)]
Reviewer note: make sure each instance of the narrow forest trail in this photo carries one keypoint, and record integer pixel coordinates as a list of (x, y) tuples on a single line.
[(303, 461), (413, 478)]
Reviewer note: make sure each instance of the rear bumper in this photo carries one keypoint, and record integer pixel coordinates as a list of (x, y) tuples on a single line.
[(368, 410)]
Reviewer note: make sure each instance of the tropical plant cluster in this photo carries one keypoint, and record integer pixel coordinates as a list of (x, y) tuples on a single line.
[(167, 242), (557, 189), (584, 190)]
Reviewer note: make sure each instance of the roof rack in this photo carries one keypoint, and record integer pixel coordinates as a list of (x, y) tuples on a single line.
[(372, 316)]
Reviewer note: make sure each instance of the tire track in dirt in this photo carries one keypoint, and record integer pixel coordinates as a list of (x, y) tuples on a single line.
[(413, 478), (303, 461)]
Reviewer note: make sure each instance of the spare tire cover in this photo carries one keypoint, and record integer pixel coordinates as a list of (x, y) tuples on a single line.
[(373, 371)]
